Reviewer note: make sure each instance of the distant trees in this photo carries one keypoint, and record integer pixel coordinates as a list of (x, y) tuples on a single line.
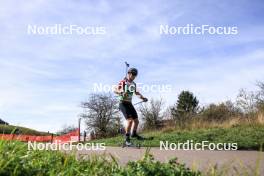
[(66, 129), (260, 101), (3, 122), (247, 105), (247, 101), (101, 112), (251, 101)]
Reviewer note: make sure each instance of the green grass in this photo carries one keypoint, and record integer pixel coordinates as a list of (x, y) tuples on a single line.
[(16, 160), (246, 136), (9, 129)]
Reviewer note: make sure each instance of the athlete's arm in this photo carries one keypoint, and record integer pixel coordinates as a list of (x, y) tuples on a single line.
[(141, 96), (119, 89)]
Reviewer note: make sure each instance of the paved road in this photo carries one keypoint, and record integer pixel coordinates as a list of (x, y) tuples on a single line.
[(201, 160)]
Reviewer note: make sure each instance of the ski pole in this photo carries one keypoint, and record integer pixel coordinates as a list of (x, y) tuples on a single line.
[(139, 102), (127, 65)]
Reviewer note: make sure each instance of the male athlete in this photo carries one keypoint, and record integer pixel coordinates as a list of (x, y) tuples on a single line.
[(126, 88)]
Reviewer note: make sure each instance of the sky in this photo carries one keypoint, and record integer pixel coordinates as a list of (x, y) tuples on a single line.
[(44, 78)]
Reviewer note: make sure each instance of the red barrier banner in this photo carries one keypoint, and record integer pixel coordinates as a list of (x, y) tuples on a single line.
[(69, 137)]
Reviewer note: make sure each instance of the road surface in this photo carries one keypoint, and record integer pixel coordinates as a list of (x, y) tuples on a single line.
[(201, 160)]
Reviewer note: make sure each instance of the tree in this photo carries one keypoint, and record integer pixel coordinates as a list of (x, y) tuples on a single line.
[(260, 101), (261, 90), (3, 122), (247, 101), (185, 108), (101, 114), (151, 114), (251, 101)]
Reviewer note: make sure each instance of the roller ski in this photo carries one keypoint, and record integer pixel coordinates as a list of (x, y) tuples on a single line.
[(141, 138), (136, 136), (130, 145)]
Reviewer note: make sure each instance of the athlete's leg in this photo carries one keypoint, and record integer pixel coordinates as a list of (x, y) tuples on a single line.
[(135, 121), (135, 125), (128, 129), (129, 125), (125, 110)]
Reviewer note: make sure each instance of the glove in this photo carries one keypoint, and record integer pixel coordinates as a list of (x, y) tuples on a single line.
[(124, 94), (145, 99)]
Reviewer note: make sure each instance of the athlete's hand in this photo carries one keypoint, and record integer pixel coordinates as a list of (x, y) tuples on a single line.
[(124, 94), (144, 99)]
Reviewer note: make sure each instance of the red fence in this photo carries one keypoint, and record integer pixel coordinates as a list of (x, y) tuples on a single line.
[(71, 136)]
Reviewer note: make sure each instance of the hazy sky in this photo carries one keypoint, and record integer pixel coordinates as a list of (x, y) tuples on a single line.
[(45, 77)]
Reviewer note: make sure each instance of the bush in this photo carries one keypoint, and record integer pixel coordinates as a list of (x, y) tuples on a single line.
[(220, 112), (260, 107), (148, 167)]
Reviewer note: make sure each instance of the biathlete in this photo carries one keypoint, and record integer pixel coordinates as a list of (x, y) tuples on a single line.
[(125, 90)]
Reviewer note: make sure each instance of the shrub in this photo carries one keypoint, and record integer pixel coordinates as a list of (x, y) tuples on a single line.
[(220, 112)]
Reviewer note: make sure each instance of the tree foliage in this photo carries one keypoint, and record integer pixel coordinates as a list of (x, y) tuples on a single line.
[(66, 129), (220, 112), (151, 114), (185, 108), (101, 114)]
